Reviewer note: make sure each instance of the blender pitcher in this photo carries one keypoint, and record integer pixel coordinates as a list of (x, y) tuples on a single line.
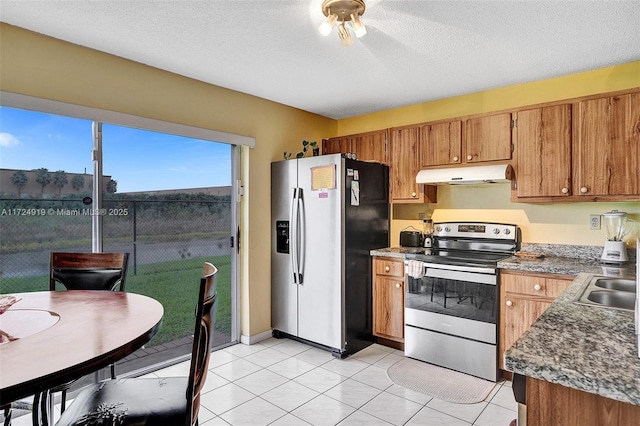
[(616, 226)]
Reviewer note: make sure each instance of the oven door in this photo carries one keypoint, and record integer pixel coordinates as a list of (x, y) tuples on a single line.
[(469, 295)]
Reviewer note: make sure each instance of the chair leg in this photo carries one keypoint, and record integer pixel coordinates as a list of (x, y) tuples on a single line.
[(63, 403), (7, 415), (35, 410), (44, 407)]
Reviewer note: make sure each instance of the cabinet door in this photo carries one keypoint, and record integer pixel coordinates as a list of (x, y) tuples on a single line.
[(607, 146), (340, 145), (441, 144), (519, 312), (372, 146), (543, 149), (388, 308), (488, 138), (404, 165)]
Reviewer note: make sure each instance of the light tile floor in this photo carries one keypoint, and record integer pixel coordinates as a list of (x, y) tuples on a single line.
[(282, 382)]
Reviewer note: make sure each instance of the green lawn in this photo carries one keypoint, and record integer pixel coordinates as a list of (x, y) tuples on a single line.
[(174, 284)]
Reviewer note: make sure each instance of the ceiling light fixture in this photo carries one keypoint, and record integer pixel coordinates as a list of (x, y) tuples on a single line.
[(343, 11)]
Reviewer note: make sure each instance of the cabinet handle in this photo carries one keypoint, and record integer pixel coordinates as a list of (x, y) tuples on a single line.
[(387, 269), (469, 157), (584, 190), (537, 287), (565, 190), (509, 302), (397, 285), (456, 159), (413, 194)]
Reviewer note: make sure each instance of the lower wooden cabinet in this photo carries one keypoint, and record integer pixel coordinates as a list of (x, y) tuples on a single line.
[(388, 298), (523, 298), (550, 404)]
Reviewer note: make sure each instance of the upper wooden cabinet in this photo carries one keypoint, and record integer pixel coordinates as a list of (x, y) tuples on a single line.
[(441, 144), (369, 146), (542, 137), (404, 165), (606, 159), (339, 145), (488, 138)]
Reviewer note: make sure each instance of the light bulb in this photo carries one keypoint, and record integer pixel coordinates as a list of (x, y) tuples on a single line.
[(358, 27), (345, 37), (327, 24)]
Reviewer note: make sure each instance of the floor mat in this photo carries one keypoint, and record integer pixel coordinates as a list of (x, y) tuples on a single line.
[(439, 382)]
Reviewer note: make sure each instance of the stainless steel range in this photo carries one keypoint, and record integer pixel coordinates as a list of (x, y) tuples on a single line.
[(451, 299)]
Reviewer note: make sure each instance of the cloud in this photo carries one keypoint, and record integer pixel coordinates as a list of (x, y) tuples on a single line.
[(7, 139)]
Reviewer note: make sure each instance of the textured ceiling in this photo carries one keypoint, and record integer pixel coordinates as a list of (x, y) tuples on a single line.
[(415, 51)]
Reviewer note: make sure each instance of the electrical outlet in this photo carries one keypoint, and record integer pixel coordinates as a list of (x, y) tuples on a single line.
[(594, 221)]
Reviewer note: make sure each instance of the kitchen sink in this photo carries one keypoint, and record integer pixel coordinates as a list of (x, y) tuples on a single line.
[(613, 299), (616, 284), (614, 293)]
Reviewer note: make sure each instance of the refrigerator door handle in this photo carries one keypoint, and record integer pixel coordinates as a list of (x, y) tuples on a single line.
[(303, 235), (293, 237)]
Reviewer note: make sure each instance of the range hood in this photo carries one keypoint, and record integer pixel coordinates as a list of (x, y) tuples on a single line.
[(500, 173)]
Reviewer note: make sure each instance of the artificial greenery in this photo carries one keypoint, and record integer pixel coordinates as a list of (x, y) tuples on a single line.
[(305, 147)]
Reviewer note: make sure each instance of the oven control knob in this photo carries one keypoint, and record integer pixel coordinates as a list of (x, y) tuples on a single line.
[(447, 229), (506, 231), (496, 231), (439, 228)]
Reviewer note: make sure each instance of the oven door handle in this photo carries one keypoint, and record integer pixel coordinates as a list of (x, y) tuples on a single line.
[(461, 276), (476, 269)]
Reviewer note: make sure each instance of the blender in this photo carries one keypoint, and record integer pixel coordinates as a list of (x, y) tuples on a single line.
[(427, 232), (617, 226)]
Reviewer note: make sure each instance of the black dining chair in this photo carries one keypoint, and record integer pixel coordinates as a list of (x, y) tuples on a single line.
[(154, 401), (80, 271)]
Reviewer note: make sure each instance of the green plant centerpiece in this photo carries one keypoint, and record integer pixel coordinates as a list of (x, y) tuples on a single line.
[(305, 147)]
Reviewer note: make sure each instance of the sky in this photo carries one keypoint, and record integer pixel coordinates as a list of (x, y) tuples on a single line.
[(138, 160)]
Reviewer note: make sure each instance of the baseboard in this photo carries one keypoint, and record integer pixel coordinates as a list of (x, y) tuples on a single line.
[(252, 340)]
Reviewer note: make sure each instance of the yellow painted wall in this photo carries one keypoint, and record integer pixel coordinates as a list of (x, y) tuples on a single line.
[(36, 65), (564, 223)]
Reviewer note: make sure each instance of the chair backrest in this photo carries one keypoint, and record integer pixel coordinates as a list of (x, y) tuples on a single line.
[(88, 271), (205, 318)]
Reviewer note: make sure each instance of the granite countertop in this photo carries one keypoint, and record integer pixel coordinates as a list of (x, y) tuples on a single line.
[(397, 252), (591, 349), (556, 259)]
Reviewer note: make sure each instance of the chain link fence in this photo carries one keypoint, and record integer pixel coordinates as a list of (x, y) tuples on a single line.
[(167, 242), (151, 231)]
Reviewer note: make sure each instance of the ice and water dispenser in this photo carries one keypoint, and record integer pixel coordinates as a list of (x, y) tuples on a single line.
[(282, 236)]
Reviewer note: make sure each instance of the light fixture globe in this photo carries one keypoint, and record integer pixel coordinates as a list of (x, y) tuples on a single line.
[(342, 11)]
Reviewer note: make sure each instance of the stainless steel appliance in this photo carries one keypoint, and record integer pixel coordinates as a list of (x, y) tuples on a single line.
[(451, 300), (327, 213)]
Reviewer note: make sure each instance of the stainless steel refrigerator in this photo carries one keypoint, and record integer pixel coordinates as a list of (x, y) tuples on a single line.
[(327, 213)]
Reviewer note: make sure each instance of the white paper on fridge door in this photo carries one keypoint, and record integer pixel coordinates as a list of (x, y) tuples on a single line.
[(355, 193)]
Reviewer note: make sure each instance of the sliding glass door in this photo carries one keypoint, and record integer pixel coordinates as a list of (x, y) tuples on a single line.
[(167, 200)]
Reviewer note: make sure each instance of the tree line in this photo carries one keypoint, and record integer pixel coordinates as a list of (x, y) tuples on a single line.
[(59, 178)]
